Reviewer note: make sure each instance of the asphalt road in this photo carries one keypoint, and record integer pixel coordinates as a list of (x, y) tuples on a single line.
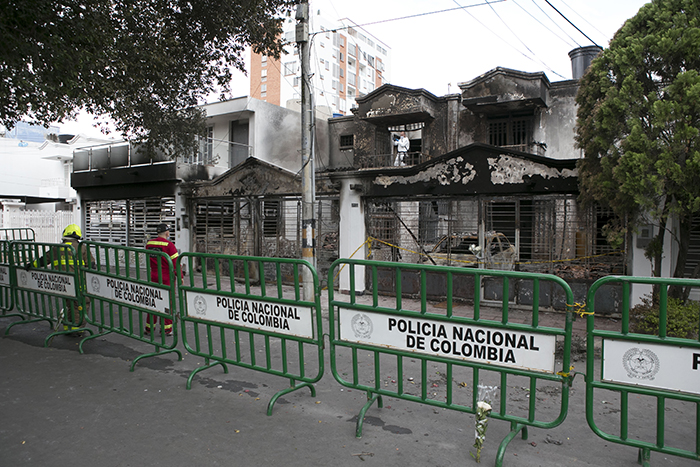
[(59, 407)]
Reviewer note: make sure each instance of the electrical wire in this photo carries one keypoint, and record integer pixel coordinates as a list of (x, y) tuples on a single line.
[(587, 22), (575, 44), (509, 44), (567, 20), (417, 15)]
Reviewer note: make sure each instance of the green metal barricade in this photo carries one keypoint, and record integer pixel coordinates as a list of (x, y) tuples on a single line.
[(7, 301), (47, 286), (18, 234), (249, 312), (378, 344), (635, 366), (124, 299)]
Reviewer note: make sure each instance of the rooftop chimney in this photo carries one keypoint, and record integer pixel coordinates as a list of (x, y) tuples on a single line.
[(581, 59)]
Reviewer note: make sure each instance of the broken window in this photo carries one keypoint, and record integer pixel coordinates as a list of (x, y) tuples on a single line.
[(514, 132)]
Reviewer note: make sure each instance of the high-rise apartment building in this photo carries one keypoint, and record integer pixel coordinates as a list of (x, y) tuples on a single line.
[(346, 62)]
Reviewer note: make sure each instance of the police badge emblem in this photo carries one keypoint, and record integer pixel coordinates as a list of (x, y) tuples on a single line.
[(200, 305), (361, 326), (640, 363), (95, 285)]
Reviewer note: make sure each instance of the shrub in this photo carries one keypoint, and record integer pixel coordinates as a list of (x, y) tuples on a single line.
[(682, 318)]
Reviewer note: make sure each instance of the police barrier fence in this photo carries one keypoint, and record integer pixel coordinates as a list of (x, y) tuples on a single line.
[(7, 302), (474, 354), (249, 312), (125, 298), (637, 366), (47, 286)]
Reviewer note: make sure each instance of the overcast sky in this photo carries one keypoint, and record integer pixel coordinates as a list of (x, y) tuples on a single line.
[(440, 50)]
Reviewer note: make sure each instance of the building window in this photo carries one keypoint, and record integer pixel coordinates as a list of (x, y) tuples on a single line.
[(347, 141), (342, 40), (271, 218), (296, 81), (291, 68), (203, 155), (342, 57), (263, 60), (263, 88), (511, 132), (263, 75), (351, 79), (351, 50)]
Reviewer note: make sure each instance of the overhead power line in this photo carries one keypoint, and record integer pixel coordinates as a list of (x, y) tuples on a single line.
[(417, 15), (567, 20)]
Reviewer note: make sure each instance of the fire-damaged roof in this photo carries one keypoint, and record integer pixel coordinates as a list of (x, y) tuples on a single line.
[(252, 177), (476, 169)]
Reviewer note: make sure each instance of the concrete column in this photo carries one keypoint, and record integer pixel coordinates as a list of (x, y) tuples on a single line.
[(353, 233)]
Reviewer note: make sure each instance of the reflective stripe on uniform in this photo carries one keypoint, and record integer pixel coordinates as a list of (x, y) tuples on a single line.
[(156, 243)]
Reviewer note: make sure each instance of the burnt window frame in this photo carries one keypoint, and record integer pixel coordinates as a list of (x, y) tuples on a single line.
[(346, 141)]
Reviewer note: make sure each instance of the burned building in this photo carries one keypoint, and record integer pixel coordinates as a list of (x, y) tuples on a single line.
[(490, 179)]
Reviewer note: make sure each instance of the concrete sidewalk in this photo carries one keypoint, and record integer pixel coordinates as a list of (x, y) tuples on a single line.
[(60, 407)]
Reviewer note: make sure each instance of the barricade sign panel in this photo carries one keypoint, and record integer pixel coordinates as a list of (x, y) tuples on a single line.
[(643, 372), (47, 286), (130, 294), (478, 351), (249, 312)]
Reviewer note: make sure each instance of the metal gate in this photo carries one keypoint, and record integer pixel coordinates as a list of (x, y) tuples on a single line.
[(127, 222), (269, 227)]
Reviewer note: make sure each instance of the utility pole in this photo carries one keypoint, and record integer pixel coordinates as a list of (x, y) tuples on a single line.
[(308, 183)]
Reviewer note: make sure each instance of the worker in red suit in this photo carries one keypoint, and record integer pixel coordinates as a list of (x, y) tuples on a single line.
[(161, 243)]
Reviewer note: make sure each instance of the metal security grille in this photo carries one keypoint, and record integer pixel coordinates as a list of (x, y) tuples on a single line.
[(544, 234), (268, 227), (106, 221), (127, 222)]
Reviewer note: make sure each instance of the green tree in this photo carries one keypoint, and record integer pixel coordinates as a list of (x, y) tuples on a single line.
[(639, 124), (146, 64)]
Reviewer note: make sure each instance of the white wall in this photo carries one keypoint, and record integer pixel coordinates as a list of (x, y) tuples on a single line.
[(352, 234)]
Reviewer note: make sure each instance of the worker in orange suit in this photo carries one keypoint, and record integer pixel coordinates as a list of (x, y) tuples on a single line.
[(161, 243)]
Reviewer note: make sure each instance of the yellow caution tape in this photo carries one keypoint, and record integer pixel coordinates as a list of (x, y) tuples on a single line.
[(580, 309), (567, 374)]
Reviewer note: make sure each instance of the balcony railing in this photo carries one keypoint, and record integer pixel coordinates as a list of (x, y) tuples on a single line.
[(378, 161), (114, 155)]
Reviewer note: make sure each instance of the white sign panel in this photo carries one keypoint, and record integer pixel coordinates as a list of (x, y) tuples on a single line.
[(652, 365), (506, 347), (4, 275), (256, 314), (127, 292), (54, 283)]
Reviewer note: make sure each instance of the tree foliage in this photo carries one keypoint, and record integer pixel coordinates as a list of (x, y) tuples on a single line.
[(146, 64), (639, 123)]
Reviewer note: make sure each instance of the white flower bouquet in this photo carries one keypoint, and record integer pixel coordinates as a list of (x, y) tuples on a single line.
[(481, 418)]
